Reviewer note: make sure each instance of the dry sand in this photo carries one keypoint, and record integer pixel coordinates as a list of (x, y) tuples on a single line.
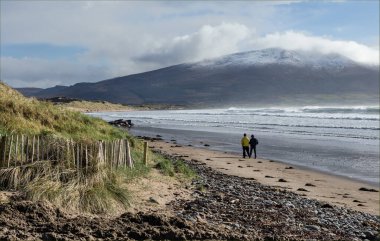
[(153, 192), (336, 190)]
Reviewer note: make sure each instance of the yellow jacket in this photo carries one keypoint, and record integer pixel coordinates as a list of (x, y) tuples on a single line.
[(245, 141)]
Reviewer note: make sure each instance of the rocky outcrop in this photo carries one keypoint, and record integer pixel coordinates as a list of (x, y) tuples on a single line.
[(121, 123)]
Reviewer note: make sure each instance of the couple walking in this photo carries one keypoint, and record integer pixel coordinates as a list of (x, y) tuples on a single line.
[(249, 145)]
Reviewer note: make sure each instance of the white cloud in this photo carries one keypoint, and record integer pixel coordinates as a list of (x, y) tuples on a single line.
[(292, 40), (227, 38), (127, 37), (208, 42)]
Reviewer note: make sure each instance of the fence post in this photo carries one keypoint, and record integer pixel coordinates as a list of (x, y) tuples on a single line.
[(22, 149), (38, 149), (16, 151), (129, 158), (33, 148), (26, 149), (3, 149), (146, 153), (10, 151)]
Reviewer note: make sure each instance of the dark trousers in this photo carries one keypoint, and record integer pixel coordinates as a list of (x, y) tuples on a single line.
[(245, 150), (254, 150)]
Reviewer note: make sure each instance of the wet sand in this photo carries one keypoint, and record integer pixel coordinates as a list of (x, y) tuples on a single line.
[(336, 190)]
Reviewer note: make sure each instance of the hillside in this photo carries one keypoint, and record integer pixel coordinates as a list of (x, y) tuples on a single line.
[(30, 116), (271, 76)]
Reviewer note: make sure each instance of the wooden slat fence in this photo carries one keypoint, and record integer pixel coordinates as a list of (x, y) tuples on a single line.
[(18, 150)]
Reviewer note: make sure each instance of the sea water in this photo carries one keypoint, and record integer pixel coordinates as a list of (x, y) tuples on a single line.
[(339, 140)]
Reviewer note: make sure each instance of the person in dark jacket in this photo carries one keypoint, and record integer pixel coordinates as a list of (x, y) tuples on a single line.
[(252, 143)]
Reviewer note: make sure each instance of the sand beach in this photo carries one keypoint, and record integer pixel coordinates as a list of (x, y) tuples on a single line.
[(339, 191)]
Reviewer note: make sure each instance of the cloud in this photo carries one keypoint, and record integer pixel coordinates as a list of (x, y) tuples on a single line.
[(112, 60), (292, 40), (208, 42), (127, 37), (227, 38), (34, 72)]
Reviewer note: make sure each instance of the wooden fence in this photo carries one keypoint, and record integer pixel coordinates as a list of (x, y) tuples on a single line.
[(18, 150)]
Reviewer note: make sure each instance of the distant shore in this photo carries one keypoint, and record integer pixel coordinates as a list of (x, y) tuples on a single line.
[(103, 106), (324, 187)]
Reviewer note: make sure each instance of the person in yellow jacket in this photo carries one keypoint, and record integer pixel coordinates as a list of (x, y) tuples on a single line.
[(245, 145)]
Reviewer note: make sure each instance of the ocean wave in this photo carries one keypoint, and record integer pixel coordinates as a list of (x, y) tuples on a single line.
[(310, 109), (250, 123), (315, 112)]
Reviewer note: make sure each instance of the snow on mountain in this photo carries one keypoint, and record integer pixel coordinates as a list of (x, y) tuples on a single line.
[(279, 56)]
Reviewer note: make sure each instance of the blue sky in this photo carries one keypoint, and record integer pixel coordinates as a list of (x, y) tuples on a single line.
[(47, 43)]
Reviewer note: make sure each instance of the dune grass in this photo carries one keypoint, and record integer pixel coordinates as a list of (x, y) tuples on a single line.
[(98, 190), (91, 106), (30, 116), (173, 167)]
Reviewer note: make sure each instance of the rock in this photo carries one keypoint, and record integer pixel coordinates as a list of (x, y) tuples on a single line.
[(289, 205), (289, 168), (302, 190), (268, 176), (309, 185), (367, 189), (153, 200), (313, 227), (369, 234), (121, 123), (326, 205), (282, 180)]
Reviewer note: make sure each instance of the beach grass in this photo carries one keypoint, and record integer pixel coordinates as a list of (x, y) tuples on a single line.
[(98, 190), (174, 167), (32, 117), (101, 189), (92, 106)]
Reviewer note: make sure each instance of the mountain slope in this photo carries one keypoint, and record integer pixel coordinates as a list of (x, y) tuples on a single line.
[(269, 76)]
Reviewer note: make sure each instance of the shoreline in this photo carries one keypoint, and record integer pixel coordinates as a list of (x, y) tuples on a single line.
[(314, 184), (273, 148), (310, 169)]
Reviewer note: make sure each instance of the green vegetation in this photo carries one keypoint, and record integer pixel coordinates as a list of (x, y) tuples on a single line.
[(30, 116), (65, 175), (172, 167), (99, 191), (92, 106)]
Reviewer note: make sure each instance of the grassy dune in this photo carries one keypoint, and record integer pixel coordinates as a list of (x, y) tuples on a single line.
[(100, 189), (30, 116)]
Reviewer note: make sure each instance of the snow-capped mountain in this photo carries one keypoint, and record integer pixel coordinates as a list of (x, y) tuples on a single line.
[(269, 76), (279, 56)]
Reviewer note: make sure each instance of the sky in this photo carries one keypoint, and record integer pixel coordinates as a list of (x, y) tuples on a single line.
[(48, 43)]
